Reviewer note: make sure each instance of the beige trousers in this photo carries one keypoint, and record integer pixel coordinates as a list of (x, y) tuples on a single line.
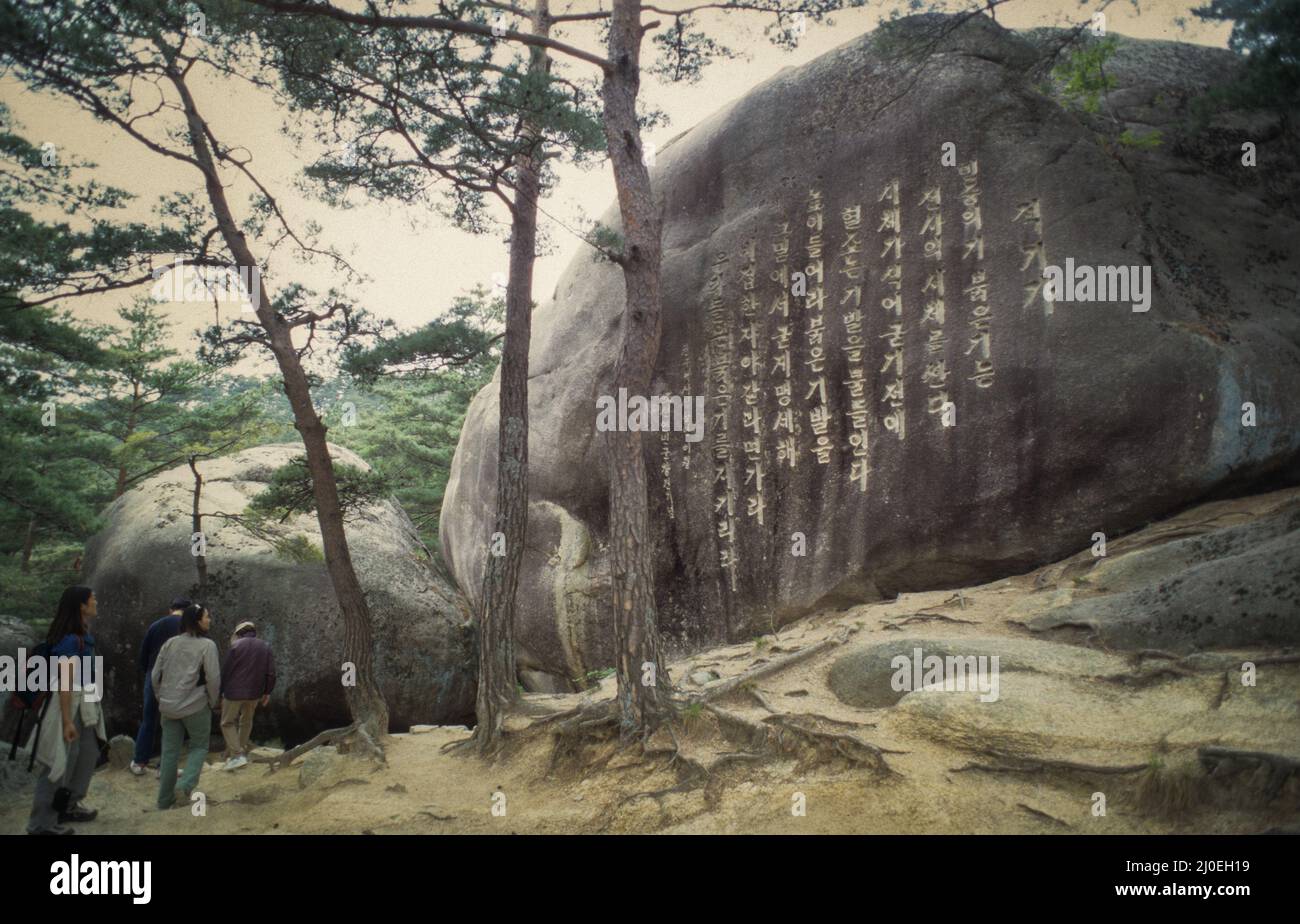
[(237, 724)]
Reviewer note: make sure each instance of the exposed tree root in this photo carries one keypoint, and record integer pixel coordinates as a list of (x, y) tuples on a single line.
[(1093, 631), (1038, 813), (927, 617), (693, 776), (725, 687), (818, 717), (1142, 679), (1014, 764), (762, 700), (371, 747), (784, 734), (569, 719), (460, 744), (1228, 676), (1221, 761), (598, 715), (1143, 653), (1179, 669), (473, 744), (368, 746), (574, 729), (1051, 632), (657, 794)]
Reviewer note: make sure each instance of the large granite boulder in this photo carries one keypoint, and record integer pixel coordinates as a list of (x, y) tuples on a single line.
[(424, 649), (922, 293)]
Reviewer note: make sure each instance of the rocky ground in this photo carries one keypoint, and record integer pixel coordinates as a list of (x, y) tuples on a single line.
[(1168, 734)]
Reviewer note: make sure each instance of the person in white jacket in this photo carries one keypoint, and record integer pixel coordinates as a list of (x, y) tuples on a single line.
[(66, 741), (187, 681)]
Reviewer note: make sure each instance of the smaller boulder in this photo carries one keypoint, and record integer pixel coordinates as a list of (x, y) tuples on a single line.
[(121, 751)]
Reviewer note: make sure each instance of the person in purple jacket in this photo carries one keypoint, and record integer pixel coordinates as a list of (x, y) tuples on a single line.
[(247, 678)]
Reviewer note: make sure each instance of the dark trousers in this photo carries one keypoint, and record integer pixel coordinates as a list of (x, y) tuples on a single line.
[(149, 725)]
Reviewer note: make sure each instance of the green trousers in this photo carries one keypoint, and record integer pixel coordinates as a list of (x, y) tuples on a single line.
[(198, 728)]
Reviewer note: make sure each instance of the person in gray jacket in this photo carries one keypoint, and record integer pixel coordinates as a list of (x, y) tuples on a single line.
[(187, 681)]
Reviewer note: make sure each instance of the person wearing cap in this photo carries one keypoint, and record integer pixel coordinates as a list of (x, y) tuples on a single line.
[(247, 679), (157, 635)]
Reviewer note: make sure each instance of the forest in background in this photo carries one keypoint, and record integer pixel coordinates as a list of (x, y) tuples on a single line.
[(122, 406)]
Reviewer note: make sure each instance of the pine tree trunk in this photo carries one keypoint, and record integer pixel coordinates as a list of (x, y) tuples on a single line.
[(365, 701), (130, 429), (496, 653), (643, 683), (29, 542), (196, 526)]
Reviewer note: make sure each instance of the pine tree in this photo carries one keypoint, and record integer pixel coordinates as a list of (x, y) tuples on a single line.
[(99, 55)]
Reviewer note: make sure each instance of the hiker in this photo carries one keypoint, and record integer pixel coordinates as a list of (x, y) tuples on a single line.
[(187, 681), (66, 741), (247, 679), (156, 636)]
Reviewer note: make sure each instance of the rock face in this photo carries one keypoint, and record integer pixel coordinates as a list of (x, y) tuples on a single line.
[(922, 292), (424, 651), (1234, 588)]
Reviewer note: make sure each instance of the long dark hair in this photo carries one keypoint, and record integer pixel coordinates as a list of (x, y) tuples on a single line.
[(190, 619), (67, 619)]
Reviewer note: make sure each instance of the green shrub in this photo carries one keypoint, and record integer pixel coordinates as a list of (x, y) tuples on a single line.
[(299, 550), (1083, 75), (1150, 140)]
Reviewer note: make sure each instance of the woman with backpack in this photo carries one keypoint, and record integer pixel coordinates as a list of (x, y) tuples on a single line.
[(187, 681), (66, 741)]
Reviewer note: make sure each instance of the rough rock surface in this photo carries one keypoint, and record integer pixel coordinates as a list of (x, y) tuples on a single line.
[(1236, 587), (863, 678), (141, 560), (1070, 418), (1180, 591)]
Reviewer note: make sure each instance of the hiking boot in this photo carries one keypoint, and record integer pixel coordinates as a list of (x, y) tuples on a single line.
[(78, 813)]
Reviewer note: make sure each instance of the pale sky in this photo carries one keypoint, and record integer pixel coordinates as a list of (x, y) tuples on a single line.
[(415, 261)]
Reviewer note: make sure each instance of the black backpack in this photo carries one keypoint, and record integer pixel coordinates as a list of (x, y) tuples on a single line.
[(32, 702)]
